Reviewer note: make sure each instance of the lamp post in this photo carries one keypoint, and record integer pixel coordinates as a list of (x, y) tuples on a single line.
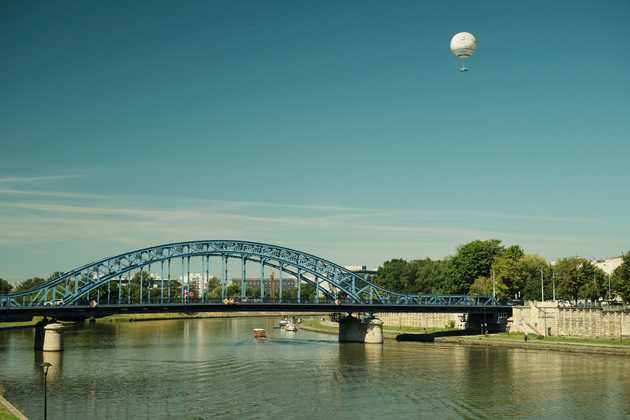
[(45, 367)]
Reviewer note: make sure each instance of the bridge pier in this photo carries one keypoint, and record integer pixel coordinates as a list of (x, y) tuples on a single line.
[(484, 323), (355, 330), (48, 336)]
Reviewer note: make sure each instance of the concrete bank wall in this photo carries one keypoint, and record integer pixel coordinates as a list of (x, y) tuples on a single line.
[(423, 320), (548, 318)]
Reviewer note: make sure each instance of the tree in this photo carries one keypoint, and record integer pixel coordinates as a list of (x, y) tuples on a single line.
[(620, 280), (29, 283), (430, 276), (521, 274), (506, 270), (482, 286), (529, 273), (55, 275), (473, 260), (5, 286), (578, 278), (595, 285), (396, 275)]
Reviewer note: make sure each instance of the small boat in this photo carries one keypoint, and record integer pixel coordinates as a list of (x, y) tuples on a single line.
[(259, 332), (283, 323), (290, 327)]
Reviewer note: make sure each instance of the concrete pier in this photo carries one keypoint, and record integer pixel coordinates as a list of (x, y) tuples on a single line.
[(354, 330), (484, 323), (48, 337)]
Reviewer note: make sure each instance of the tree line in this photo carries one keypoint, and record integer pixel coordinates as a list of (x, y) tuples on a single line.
[(484, 267), (480, 267)]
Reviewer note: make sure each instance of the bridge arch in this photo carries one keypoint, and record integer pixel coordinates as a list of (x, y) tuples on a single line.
[(329, 279)]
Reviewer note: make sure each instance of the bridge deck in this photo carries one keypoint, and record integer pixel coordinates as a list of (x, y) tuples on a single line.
[(79, 311)]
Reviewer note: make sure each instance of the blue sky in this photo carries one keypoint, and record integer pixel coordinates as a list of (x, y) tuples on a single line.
[(342, 129)]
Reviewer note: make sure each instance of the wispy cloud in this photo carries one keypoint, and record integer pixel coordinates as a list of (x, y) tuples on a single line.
[(275, 204), (59, 194), (20, 179)]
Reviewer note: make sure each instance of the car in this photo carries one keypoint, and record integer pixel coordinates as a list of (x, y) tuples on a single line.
[(56, 302)]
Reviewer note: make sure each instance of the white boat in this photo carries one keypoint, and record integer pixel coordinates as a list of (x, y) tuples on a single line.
[(283, 323), (290, 327), (259, 332)]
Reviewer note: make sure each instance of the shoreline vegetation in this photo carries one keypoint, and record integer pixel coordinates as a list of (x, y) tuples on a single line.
[(8, 410), (390, 332), (165, 316), (510, 340)]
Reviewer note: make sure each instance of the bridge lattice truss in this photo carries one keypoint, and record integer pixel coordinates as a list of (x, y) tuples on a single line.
[(329, 279)]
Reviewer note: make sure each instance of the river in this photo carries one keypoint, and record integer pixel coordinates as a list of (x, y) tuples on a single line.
[(214, 368)]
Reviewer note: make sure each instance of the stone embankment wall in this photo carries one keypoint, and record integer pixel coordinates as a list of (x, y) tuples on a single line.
[(548, 318), (422, 320)]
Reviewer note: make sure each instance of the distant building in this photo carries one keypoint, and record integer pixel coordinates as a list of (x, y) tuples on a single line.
[(362, 270), (608, 265)]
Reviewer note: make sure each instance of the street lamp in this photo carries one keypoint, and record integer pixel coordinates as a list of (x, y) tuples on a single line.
[(45, 367)]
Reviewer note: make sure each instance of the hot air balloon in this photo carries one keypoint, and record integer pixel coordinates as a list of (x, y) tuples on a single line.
[(463, 46)]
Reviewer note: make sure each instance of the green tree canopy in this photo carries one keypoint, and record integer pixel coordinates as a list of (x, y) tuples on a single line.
[(482, 286), (578, 278), (473, 260), (396, 275), (430, 276), (5, 286), (418, 276), (521, 274), (621, 279), (29, 283)]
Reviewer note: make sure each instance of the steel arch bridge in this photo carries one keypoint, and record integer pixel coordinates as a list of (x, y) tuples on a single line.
[(94, 282)]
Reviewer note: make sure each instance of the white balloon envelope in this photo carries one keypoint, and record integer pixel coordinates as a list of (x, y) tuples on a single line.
[(463, 46)]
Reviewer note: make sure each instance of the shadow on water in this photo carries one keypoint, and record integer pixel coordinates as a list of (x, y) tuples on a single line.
[(430, 337)]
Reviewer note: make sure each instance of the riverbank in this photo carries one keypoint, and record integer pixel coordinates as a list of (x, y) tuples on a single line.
[(513, 340), (8, 411), (201, 315), (565, 344), (389, 332), (16, 325), (168, 316)]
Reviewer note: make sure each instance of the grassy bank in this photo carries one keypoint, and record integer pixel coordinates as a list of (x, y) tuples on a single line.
[(583, 341), (513, 340), (8, 412), (24, 324), (5, 414), (167, 316), (567, 344), (389, 331), (199, 315)]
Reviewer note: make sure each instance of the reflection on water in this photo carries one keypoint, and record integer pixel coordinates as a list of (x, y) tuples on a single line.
[(55, 358), (214, 368)]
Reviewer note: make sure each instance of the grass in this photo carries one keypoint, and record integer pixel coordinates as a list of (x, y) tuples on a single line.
[(589, 341), (23, 324), (5, 414), (185, 315), (389, 331)]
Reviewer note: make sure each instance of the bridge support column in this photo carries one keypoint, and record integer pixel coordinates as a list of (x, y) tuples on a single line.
[(484, 323), (48, 336), (354, 330)]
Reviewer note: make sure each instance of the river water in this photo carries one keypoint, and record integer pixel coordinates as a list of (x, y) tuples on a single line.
[(214, 368)]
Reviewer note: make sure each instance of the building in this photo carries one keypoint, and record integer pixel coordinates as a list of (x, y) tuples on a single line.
[(608, 265), (363, 271)]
